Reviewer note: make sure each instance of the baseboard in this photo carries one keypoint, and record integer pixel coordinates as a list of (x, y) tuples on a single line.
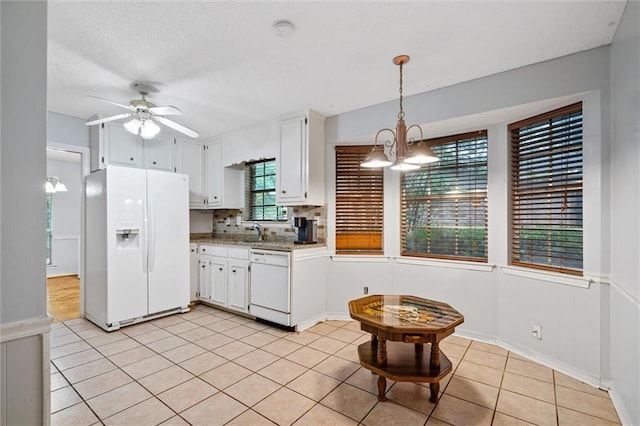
[(64, 275), (552, 363), (618, 403), (301, 326)]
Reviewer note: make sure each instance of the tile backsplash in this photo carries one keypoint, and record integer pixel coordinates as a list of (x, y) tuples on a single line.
[(224, 224)]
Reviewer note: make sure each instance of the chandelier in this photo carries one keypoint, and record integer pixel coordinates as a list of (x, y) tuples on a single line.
[(54, 184), (409, 154)]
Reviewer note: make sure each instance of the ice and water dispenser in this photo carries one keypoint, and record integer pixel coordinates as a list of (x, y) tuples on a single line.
[(128, 235)]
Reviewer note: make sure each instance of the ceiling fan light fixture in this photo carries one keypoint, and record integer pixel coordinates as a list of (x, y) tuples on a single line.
[(376, 158), (133, 126), (149, 129)]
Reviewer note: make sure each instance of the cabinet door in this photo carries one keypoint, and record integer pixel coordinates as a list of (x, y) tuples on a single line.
[(238, 285), (158, 153), (291, 180), (204, 277), (214, 175), (219, 281), (192, 164), (121, 147), (194, 272)]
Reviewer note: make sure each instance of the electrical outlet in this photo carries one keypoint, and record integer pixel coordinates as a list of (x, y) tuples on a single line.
[(536, 331), (365, 290)]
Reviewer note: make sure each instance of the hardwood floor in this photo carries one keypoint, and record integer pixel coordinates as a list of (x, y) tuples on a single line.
[(63, 297)]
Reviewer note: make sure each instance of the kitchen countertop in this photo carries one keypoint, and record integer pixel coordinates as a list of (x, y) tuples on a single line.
[(264, 245)]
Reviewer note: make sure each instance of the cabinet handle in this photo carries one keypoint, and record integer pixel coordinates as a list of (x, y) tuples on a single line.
[(204, 264), (131, 158), (215, 197), (284, 192), (203, 250), (234, 271), (219, 269), (155, 162)]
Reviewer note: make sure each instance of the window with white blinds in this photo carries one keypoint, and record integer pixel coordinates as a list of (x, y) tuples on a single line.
[(444, 205), (359, 203), (546, 191)]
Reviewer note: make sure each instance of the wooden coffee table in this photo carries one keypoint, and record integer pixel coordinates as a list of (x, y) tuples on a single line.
[(406, 319)]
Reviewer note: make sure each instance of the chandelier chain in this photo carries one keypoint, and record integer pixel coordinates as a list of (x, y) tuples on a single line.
[(401, 113)]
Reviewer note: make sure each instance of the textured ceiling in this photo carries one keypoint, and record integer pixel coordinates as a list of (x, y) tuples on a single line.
[(224, 66)]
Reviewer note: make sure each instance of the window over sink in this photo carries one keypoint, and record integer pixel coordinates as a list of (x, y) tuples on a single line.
[(260, 179)]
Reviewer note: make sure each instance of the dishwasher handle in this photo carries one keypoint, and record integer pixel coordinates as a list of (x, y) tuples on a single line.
[(270, 258)]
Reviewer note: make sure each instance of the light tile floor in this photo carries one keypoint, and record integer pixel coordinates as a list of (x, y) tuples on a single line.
[(211, 367)]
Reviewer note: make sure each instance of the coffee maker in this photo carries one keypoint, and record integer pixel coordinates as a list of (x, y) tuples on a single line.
[(307, 230)]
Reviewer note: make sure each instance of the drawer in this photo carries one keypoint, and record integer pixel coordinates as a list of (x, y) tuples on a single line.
[(239, 253), (220, 251)]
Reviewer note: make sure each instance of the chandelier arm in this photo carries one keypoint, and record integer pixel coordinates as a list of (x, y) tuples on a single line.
[(411, 141), (388, 142)]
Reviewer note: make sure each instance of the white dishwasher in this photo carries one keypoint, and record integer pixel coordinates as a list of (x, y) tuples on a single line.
[(270, 286)]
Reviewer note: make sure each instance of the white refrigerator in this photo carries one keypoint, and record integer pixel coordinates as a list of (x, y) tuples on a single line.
[(137, 245)]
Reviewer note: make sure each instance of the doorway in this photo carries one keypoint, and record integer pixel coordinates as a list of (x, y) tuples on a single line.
[(66, 167)]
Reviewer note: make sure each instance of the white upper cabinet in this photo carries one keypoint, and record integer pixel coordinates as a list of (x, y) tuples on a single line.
[(190, 161), (211, 185), (214, 175), (300, 161), (111, 143), (158, 153)]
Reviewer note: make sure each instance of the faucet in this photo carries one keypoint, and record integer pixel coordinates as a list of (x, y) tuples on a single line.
[(258, 227)]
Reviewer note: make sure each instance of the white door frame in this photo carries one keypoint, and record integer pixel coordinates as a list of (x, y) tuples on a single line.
[(85, 154)]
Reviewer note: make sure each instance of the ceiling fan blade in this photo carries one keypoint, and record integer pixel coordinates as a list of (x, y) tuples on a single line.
[(107, 119), (165, 110), (129, 107), (179, 127)]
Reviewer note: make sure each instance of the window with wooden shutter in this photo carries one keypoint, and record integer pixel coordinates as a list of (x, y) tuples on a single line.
[(359, 203), (444, 205), (546, 191)]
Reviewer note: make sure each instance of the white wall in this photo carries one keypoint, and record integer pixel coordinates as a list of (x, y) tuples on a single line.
[(65, 129), (499, 304), (24, 356), (625, 214), (65, 218), (23, 160)]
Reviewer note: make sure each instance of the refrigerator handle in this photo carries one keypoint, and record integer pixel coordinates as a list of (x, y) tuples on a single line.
[(151, 241), (145, 240)]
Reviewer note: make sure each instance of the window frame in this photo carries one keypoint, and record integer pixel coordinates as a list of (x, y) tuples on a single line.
[(519, 209), (49, 229), (482, 196), (250, 175)]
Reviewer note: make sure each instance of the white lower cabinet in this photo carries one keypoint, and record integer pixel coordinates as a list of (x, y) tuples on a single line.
[(224, 276), (238, 284)]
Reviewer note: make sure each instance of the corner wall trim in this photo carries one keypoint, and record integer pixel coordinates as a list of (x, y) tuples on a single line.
[(625, 293), (25, 328)]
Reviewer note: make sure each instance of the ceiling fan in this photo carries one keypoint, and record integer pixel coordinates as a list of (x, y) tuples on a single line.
[(143, 115)]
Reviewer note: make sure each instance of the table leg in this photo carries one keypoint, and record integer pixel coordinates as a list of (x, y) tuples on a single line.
[(382, 352), (374, 340), (382, 386), (434, 364)]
